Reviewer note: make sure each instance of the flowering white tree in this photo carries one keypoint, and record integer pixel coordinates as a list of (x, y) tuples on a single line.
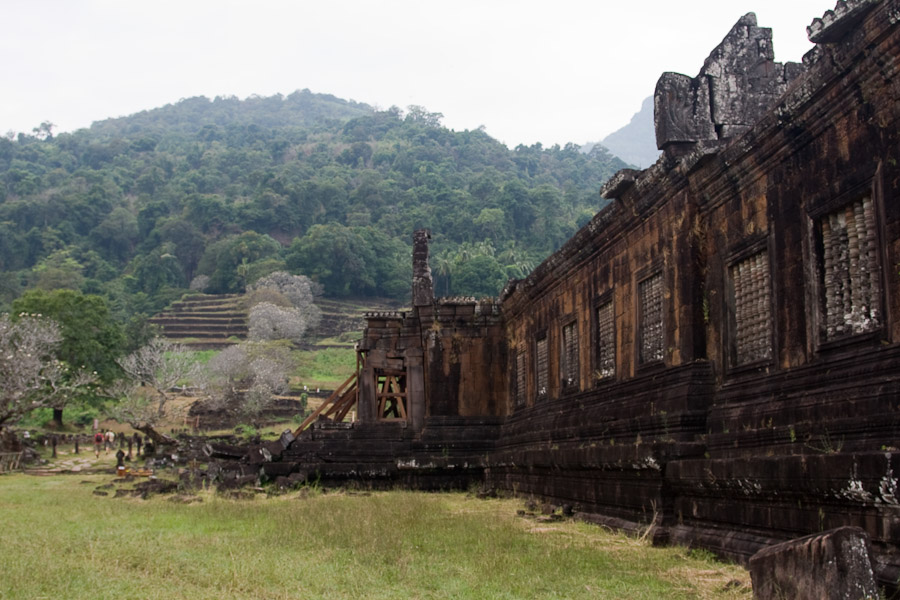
[(151, 372), (283, 307), (199, 283), (246, 378), (62, 383), (300, 290), (271, 322), (26, 350)]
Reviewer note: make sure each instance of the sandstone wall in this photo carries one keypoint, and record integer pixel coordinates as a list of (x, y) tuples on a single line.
[(777, 383), (716, 352)]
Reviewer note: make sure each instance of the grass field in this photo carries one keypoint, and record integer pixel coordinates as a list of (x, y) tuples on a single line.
[(60, 541), (326, 368)]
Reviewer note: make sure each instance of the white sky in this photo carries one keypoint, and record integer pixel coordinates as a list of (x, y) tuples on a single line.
[(552, 71)]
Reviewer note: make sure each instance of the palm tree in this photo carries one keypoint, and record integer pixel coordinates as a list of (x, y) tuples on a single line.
[(515, 260), (444, 265)]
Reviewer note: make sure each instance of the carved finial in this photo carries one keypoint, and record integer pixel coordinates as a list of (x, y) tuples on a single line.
[(738, 83)]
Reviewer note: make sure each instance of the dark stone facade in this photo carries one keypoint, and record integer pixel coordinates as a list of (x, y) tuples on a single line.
[(717, 351)]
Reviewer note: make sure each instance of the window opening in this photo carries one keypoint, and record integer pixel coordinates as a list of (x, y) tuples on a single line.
[(651, 298), (606, 341), (570, 363), (849, 270), (521, 371), (542, 369), (752, 309), (390, 393)]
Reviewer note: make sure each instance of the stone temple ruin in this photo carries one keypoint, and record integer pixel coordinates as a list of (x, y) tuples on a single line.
[(717, 352)]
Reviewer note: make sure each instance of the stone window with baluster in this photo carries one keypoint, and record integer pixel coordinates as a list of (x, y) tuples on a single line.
[(848, 270), (751, 284)]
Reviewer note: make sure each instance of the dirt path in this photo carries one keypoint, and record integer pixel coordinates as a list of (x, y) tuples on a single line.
[(69, 462)]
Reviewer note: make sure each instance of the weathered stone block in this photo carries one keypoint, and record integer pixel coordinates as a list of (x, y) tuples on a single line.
[(834, 565), (423, 286)]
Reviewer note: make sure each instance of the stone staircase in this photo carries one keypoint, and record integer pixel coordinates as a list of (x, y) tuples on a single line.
[(204, 321)]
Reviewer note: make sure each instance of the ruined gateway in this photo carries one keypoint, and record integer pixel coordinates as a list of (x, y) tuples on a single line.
[(717, 349)]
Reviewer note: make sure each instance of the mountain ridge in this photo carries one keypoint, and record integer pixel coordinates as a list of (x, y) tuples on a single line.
[(137, 208)]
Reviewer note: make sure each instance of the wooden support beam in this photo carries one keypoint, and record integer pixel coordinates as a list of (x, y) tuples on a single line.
[(331, 399), (349, 398)]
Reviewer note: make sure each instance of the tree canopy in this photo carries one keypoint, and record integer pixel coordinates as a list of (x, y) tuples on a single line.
[(136, 208)]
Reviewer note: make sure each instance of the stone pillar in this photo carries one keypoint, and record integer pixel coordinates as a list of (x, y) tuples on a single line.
[(366, 404), (422, 283), (415, 388)]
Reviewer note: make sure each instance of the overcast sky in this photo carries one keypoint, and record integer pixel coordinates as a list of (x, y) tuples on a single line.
[(551, 71)]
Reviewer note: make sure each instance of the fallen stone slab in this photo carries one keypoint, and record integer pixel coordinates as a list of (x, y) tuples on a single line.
[(226, 451), (238, 482), (278, 469), (155, 486), (185, 499), (833, 565)]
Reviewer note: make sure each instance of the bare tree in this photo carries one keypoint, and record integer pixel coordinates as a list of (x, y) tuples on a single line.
[(151, 372), (245, 378), (26, 351)]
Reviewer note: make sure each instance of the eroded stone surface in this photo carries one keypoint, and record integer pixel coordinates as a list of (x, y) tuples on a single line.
[(834, 565), (738, 83)]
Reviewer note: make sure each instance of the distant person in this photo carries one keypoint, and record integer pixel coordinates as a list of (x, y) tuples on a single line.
[(98, 442), (110, 440)]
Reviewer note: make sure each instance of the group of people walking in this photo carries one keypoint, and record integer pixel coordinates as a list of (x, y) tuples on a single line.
[(106, 439)]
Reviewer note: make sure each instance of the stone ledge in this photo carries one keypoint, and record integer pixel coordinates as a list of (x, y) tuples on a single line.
[(835, 24)]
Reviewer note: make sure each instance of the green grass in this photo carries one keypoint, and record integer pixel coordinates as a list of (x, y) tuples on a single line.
[(348, 339), (203, 356), (326, 368), (70, 544)]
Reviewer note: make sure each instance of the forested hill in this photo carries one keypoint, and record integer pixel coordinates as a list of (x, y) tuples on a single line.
[(300, 110), (212, 194)]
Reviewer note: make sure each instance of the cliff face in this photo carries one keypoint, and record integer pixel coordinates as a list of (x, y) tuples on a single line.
[(635, 143)]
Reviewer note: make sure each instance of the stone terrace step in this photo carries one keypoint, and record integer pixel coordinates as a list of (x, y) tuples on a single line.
[(189, 328), (209, 320), (184, 320), (180, 335), (203, 310)]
